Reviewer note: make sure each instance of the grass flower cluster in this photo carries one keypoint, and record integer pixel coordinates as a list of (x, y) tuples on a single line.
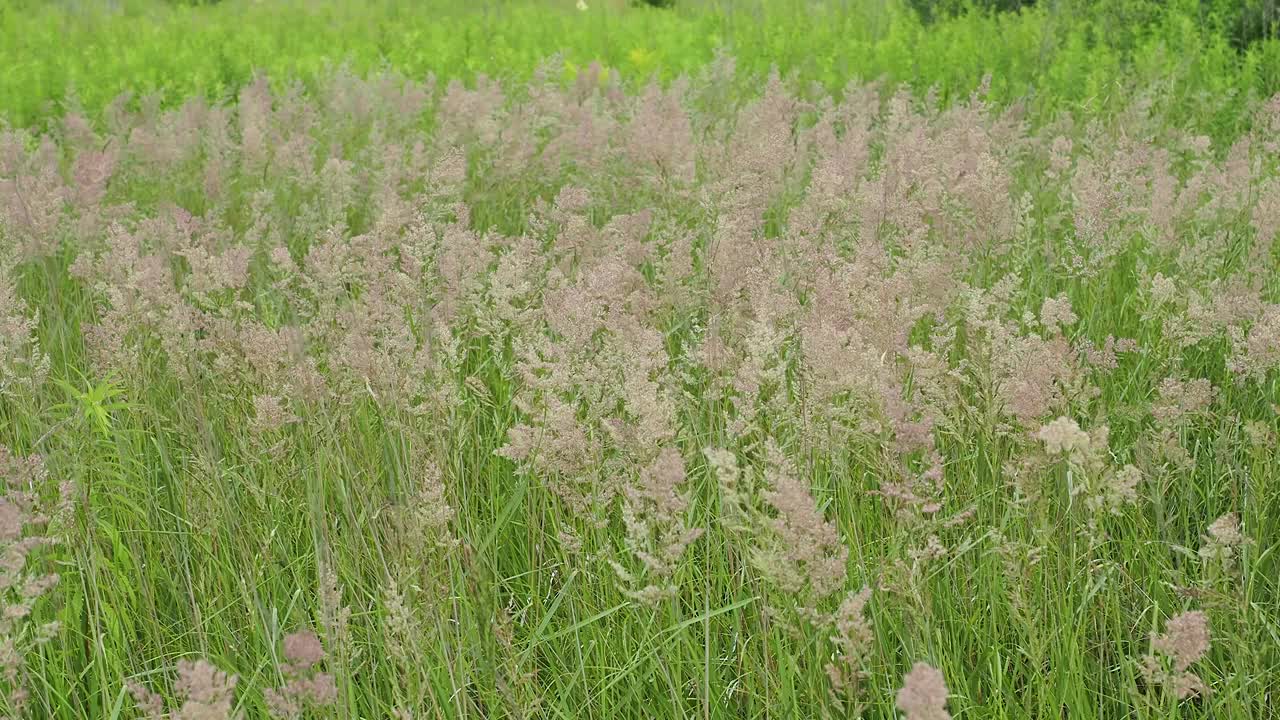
[(378, 397)]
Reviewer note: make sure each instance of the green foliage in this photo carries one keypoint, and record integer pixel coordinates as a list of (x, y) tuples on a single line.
[(1244, 21), (1065, 53), (934, 10)]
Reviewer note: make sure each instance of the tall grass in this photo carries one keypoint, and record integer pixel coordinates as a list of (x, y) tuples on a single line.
[(365, 391), (384, 398)]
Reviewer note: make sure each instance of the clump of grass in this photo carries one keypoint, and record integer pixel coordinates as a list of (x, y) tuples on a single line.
[(573, 399)]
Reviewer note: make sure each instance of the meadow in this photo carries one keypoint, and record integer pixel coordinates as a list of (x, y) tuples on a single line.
[(759, 360)]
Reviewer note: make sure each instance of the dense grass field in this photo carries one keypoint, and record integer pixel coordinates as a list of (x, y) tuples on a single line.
[(515, 360)]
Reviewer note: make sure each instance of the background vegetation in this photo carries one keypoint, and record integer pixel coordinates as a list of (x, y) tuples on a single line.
[(1201, 58)]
